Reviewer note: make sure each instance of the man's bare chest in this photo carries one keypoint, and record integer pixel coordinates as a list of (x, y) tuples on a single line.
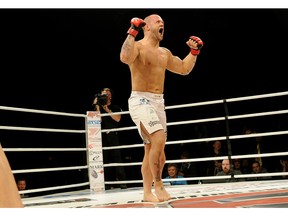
[(154, 57)]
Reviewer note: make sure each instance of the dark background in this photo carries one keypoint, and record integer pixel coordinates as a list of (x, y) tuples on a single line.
[(58, 59)]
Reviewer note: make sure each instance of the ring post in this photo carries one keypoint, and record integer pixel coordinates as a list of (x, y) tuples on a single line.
[(94, 151)]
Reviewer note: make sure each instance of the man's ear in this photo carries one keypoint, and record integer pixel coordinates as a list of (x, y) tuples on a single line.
[(146, 27)]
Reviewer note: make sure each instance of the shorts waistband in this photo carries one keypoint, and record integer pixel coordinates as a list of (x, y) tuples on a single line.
[(147, 94)]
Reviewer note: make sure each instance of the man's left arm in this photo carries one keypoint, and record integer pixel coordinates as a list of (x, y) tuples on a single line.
[(185, 66)]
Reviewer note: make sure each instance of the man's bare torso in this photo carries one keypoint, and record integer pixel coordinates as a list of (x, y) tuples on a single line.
[(148, 69)]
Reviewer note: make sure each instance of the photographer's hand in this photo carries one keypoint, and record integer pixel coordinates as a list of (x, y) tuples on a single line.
[(105, 107), (116, 118), (97, 108)]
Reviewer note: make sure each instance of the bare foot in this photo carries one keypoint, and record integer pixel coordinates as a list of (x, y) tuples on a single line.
[(162, 194), (150, 198)]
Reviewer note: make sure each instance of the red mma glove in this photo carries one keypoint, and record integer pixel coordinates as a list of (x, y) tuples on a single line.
[(136, 25), (199, 45)]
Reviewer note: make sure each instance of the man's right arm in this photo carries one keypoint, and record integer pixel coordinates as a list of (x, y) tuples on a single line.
[(129, 50)]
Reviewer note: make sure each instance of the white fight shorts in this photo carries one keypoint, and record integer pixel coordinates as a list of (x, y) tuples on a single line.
[(149, 109)]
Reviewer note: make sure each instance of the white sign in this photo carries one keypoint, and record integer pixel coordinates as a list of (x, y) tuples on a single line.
[(95, 152)]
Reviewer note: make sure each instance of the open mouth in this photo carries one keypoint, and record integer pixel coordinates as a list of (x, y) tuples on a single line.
[(161, 30)]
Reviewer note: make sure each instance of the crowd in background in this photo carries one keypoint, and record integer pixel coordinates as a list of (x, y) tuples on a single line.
[(254, 145)]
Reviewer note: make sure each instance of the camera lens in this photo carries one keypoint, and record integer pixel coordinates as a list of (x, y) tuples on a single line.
[(102, 99)]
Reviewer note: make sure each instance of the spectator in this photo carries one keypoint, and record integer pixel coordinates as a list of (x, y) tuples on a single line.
[(284, 164), (242, 165), (188, 169), (237, 165), (103, 103), (255, 145), (217, 167), (226, 170), (173, 173), (245, 166), (257, 169), (21, 185), (214, 166)]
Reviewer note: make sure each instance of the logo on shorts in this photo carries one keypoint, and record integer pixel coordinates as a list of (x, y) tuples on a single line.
[(144, 101), (153, 123)]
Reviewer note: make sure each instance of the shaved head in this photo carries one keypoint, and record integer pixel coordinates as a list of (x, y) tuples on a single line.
[(151, 17)]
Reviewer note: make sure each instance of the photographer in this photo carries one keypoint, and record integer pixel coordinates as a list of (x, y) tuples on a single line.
[(103, 103)]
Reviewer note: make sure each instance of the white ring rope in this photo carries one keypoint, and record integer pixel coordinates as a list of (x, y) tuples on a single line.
[(53, 188), (231, 137), (42, 149), (49, 169), (207, 120), (205, 139), (257, 96), (41, 111), (204, 159), (41, 129)]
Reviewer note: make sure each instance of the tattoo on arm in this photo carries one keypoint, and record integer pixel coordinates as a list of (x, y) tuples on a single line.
[(127, 46)]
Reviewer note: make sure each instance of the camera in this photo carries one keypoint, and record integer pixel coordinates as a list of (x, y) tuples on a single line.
[(101, 99)]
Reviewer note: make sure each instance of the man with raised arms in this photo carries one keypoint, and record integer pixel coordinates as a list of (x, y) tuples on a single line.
[(148, 63)]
